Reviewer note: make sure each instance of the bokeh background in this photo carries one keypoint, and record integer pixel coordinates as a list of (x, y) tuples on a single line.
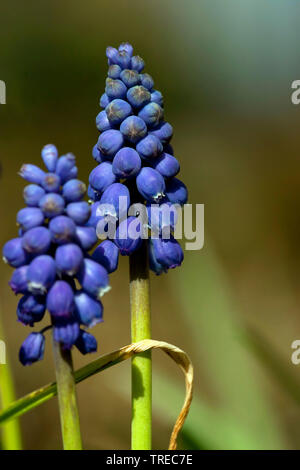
[(225, 70)]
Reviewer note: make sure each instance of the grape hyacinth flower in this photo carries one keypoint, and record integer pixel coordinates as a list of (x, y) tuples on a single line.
[(51, 253), (32, 349), (31, 309), (135, 160)]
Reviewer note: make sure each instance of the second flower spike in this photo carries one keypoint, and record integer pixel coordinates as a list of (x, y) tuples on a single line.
[(51, 257)]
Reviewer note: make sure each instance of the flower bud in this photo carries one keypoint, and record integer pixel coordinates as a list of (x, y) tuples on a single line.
[(133, 128), (37, 240), (74, 190), (111, 54), (168, 253), (88, 310), (164, 132), (18, 281), (73, 173), (32, 194), (117, 199), (150, 147), (128, 236), (32, 173), (104, 100), (63, 229), (30, 217), (126, 163), (102, 122), (150, 184), (147, 81), (107, 254), (94, 218), (51, 182), (14, 254), (50, 156), (60, 301), (116, 111), (157, 97), (102, 177), (123, 59), (86, 343), (154, 265), (130, 77), (93, 278), (92, 194), (31, 309), (79, 212), (115, 88), (68, 259), (167, 165), (137, 63), (66, 333), (41, 274), (176, 191), (65, 166), (52, 204), (114, 71), (138, 96), (110, 142), (152, 114), (32, 349), (97, 155), (86, 237), (125, 46)]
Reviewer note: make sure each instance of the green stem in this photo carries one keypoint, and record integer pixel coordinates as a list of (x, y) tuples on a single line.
[(69, 417), (141, 369), (11, 433)]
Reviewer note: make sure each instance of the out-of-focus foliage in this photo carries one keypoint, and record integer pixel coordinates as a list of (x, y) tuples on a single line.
[(10, 434), (240, 415)]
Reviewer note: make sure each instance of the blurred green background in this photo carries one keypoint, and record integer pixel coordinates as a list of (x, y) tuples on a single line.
[(225, 70)]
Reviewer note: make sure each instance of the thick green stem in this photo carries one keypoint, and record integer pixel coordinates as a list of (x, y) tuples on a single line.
[(69, 417), (141, 423)]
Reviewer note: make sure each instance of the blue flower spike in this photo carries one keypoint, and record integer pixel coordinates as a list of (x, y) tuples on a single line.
[(18, 282), (52, 252), (134, 142)]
